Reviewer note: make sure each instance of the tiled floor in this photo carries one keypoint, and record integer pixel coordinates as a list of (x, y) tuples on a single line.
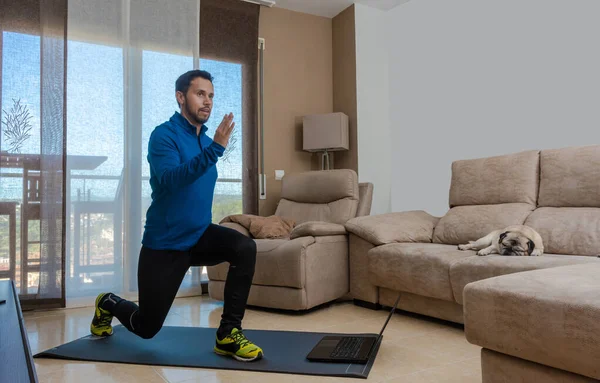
[(414, 349)]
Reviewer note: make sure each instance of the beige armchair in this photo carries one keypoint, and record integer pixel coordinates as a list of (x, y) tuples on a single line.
[(311, 267)]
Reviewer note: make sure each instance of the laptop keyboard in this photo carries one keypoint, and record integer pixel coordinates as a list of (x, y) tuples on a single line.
[(348, 347)]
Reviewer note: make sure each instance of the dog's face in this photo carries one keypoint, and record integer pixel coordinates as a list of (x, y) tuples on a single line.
[(515, 244)]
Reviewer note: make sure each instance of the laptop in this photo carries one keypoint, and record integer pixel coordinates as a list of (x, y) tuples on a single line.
[(347, 349)]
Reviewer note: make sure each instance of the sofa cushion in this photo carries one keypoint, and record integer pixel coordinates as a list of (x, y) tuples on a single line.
[(418, 268), (406, 226), (477, 268), (570, 177), (568, 230), (279, 262), (548, 316), (468, 223), (502, 179)]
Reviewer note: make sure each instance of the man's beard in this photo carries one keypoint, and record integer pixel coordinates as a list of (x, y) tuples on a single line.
[(194, 115)]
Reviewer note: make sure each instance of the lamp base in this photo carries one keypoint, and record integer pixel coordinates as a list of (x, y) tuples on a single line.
[(326, 160)]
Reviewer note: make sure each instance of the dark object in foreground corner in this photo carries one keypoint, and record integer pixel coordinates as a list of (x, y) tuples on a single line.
[(16, 362)]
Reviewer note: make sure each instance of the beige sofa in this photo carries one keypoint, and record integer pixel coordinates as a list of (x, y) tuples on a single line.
[(537, 318), (311, 267), (554, 191)]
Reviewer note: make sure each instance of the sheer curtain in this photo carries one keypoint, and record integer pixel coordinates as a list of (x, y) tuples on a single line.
[(124, 58), (71, 225), (32, 149)]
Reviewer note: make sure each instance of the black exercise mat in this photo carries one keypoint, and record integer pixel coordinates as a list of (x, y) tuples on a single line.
[(285, 351)]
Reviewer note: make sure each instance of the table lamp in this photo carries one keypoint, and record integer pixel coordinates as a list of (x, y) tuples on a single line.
[(325, 133)]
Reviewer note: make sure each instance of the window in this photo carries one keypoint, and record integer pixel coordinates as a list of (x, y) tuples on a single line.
[(123, 59), (228, 98), (118, 92)]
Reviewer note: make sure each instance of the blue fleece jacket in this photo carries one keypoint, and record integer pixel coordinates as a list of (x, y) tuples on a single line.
[(183, 174)]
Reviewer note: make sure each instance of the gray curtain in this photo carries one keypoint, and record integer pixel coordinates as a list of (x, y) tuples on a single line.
[(229, 32), (38, 270)]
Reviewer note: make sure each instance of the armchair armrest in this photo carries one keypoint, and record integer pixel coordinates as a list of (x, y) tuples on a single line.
[(407, 226), (317, 229)]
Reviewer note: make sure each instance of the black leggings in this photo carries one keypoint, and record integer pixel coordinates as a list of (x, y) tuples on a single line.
[(160, 273)]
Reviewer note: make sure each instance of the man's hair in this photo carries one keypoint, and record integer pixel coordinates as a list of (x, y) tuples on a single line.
[(183, 82)]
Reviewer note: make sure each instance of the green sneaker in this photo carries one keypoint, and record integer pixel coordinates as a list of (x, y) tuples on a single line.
[(101, 323), (238, 346)]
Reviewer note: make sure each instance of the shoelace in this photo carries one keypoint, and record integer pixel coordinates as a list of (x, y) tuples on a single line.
[(104, 319), (240, 339)]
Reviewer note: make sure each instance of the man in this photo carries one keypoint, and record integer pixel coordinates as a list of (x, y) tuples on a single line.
[(179, 232)]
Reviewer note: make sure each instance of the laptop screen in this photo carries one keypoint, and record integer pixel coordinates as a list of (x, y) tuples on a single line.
[(389, 316)]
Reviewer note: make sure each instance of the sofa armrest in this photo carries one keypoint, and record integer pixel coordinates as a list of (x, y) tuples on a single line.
[(238, 227), (407, 226), (317, 229)]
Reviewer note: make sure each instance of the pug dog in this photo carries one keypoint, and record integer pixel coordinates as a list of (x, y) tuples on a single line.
[(515, 240)]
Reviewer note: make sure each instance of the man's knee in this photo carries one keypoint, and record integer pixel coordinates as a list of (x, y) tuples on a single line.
[(247, 247), (246, 251), (251, 247), (149, 332)]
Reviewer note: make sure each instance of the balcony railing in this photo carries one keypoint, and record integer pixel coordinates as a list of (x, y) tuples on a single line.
[(94, 248)]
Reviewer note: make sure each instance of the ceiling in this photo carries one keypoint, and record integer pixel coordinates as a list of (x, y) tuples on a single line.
[(330, 8)]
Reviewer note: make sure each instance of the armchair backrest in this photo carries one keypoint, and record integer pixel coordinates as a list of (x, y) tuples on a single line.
[(325, 195)]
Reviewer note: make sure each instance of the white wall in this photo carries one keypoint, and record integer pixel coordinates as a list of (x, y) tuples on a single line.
[(473, 78), (374, 145)]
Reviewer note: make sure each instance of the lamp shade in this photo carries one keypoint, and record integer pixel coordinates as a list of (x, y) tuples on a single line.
[(325, 132)]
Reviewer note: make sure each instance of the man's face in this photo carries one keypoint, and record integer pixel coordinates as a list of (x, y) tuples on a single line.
[(198, 101)]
